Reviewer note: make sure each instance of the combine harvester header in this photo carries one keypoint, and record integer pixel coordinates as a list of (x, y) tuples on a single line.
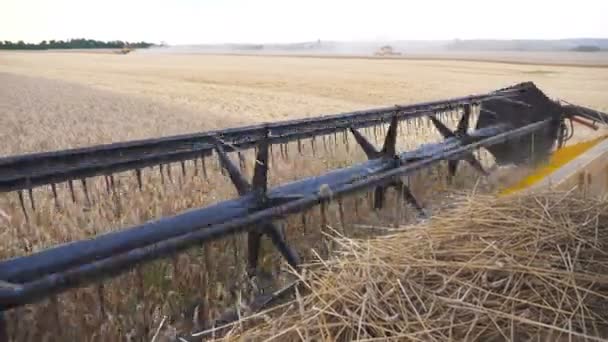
[(516, 125)]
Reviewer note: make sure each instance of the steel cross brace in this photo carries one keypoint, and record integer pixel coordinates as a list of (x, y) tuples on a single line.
[(461, 133), (389, 151), (258, 187)]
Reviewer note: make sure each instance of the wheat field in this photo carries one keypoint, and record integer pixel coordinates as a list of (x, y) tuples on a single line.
[(143, 95), (60, 100)]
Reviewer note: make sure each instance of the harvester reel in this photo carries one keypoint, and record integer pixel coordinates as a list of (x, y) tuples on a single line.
[(258, 188), (388, 152), (517, 125), (461, 134)]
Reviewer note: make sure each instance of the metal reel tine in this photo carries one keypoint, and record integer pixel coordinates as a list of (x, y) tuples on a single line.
[(169, 173), (139, 180), (239, 181), (71, 186), (376, 132), (368, 148), (271, 147), (204, 166), (31, 194), (113, 184), (463, 124), (323, 212), (195, 163), (108, 188), (452, 167), (85, 190), (379, 197), (346, 141), (54, 190), (162, 175), (241, 161), (22, 202), (287, 151), (300, 146)]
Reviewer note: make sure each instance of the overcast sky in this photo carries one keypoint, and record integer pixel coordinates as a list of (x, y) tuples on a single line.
[(215, 21)]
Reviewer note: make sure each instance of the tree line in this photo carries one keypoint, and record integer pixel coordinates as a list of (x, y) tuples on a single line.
[(586, 48), (72, 44)]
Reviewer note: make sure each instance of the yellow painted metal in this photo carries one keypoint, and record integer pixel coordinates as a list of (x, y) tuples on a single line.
[(558, 159)]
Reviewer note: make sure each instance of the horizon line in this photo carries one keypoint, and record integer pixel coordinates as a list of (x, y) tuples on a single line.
[(321, 40)]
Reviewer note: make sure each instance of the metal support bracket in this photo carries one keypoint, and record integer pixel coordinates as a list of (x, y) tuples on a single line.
[(258, 187), (461, 133), (388, 151)]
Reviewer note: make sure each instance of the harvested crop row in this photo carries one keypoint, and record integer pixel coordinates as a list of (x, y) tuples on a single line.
[(490, 269)]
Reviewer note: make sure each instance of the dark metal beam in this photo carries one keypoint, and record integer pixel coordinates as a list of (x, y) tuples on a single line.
[(56, 259), (31, 170), (588, 113)]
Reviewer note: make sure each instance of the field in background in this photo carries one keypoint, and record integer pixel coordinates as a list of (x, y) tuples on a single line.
[(59, 100), (167, 94), (543, 58)]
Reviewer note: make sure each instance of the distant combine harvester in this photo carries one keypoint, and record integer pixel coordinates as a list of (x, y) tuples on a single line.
[(387, 50)]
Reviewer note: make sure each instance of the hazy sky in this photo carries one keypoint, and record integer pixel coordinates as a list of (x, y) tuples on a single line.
[(213, 21)]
